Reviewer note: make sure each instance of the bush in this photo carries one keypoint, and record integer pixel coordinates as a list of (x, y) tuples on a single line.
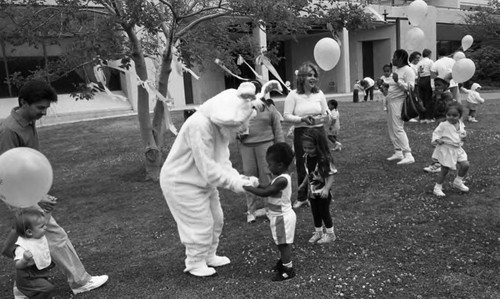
[(487, 62)]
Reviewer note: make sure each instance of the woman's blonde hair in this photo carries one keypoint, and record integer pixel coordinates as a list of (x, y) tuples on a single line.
[(302, 74)]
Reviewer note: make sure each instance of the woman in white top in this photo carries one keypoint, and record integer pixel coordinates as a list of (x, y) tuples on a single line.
[(305, 107), (404, 78)]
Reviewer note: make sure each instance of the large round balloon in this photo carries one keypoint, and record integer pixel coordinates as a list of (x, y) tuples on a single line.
[(415, 38), (327, 53), (416, 12), (467, 42), (25, 177), (463, 70), (458, 55)]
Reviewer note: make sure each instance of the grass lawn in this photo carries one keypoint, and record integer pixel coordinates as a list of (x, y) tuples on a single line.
[(395, 238)]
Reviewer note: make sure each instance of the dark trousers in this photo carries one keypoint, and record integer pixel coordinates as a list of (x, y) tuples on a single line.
[(34, 283), (320, 208), (369, 91), (425, 94), (299, 159)]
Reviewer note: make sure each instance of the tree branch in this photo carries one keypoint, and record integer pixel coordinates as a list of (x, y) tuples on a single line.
[(198, 21)]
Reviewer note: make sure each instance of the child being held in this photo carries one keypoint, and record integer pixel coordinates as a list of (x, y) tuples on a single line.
[(32, 256), (473, 100), (383, 83), (333, 126), (281, 216), (448, 140)]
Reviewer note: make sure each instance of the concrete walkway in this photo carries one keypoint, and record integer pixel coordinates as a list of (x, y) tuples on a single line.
[(67, 110)]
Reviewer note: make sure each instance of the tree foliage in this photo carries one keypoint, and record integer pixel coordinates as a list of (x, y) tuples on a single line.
[(485, 21), (487, 61)]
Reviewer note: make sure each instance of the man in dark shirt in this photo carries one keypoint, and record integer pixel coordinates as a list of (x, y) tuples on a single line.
[(19, 130)]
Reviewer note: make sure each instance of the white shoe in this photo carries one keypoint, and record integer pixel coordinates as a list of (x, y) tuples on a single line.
[(218, 261), (204, 271), (260, 212), (473, 120), (460, 186), (433, 168), (438, 191), (17, 293), (250, 218), (93, 283), (413, 120), (408, 159), (315, 237), (398, 155), (327, 238), (299, 203)]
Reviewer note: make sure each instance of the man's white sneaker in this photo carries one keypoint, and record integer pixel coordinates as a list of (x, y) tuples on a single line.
[(250, 218), (433, 168), (93, 283), (408, 159), (438, 192), (396, 156), (460, 186), (18, 294), (299, 203)]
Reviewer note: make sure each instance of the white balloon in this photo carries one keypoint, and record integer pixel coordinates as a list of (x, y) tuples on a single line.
[(416, 12), (458, 55), (415, 38), (25, 177), (463, 70), (467, 42), (327, 53)]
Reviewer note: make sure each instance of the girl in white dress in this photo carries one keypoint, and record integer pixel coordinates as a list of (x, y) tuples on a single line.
[(448, 140)]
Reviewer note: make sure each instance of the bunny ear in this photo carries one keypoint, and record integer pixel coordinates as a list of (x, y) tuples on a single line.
[(296, 72)]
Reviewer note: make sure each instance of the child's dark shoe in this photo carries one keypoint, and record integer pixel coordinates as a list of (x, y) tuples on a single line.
[(287, 273)]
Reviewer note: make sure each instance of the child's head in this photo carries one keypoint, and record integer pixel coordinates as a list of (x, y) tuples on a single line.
[(30, 223), (332, 104), (454, 112), (440, 85), (475, 87), (387, 69), (315, 143), (279, 156)]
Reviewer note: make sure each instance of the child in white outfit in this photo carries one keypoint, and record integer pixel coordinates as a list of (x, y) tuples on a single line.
[(282, 218), (383, 83), (473, 100), (333, 126), (448, 138)]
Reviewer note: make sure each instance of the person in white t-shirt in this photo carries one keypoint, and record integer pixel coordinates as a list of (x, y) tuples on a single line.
[(425, 86), (442, 66), (368, 84)]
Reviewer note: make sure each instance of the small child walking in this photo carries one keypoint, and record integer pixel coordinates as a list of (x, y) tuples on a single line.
[(473, 100), (319, 167), (32, 256), (282, 218), (448, 139), (333, 126)]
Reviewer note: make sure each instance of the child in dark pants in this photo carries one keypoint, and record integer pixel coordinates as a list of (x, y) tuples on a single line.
[(319, 180), (32, 255), (333, 126)]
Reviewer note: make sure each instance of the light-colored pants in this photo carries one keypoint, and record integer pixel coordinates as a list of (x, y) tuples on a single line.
[(255, 164), (395, 125), (199, 217), (63, 254)]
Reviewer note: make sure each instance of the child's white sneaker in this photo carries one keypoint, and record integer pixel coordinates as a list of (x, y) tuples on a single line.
[(315, 237), (460, 186), (218, 261), (438, 191), (327, 238), (299, 203), (17, 293), (473, 120)]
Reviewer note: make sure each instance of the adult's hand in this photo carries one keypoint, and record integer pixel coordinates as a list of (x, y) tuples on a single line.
[(308, 120), (48, 203), (395, 77)]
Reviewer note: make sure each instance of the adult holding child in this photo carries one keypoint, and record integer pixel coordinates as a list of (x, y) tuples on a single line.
[(305, 107), (19, 130), (403, 80)]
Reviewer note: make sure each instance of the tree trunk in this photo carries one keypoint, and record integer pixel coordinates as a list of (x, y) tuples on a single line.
[(152, 152), (159, 126)]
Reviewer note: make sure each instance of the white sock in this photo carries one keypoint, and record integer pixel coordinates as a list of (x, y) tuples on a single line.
[(440, 186), (318, 229), (329, 230), (459, 179), (288, 265)]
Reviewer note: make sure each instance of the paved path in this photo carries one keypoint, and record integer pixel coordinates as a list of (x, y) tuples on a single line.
[(67, 110)]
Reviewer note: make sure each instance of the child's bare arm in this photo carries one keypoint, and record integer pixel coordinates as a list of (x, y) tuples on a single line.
[(26, 261), (327, 187), (270, 190)]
